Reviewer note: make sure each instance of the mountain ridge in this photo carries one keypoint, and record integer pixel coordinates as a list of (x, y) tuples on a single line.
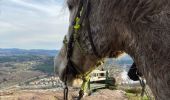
[(16, 51)]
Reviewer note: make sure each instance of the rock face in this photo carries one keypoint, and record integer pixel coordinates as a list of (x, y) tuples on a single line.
[(58, 95)]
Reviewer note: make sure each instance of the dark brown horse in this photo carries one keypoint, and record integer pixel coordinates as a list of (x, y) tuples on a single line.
[(141, 28)]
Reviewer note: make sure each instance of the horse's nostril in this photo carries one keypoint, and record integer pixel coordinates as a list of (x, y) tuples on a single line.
[(62, 77)]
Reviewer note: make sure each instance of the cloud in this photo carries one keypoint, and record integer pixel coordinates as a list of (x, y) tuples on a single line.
[(26, 23), (46, 7)]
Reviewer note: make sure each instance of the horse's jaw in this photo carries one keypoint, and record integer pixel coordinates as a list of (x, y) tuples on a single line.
[(72, 81)]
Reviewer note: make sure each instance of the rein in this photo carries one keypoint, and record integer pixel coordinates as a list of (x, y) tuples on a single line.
[(81, 15)]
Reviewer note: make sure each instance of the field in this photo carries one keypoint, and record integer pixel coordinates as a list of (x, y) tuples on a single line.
[(21, 66)]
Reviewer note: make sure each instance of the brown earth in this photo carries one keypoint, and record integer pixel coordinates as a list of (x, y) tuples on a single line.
[(58, 95)]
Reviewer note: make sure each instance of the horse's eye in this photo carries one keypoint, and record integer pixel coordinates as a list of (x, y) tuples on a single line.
[(70, 7)]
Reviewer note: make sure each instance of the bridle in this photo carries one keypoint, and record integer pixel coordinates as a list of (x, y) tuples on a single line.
[(81, 16)]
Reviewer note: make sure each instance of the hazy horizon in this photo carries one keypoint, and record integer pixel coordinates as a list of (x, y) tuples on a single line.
[(31, 49)]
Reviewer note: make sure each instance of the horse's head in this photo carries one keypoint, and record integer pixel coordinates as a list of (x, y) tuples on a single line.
[(89, 38)]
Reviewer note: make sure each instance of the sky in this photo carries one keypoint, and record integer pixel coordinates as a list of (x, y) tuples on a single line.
[(33, 24)]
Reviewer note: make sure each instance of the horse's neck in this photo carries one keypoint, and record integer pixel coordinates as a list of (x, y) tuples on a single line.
[(150, 49), (147, 41)]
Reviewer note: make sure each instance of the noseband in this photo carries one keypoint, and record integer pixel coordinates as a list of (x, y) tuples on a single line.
[(81, 16)]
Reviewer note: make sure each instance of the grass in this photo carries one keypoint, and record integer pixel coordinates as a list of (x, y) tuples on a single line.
[(135, 94), (132, 96), (46, 68)]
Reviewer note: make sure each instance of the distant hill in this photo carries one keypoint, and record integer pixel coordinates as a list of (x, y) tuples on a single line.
[(43, 60), (20, 55), (46, 58), (18, 52)]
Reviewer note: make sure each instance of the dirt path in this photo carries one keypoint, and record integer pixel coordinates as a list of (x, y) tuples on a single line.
[(107, 95), (53, 95)]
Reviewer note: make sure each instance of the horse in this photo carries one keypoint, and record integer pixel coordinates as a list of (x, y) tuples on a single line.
[(140, 28)]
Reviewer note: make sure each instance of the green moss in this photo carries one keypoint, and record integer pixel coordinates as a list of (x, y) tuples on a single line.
[(132, 96)]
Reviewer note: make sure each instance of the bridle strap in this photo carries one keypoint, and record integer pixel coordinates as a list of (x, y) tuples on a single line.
[(90, 33), (70, 44), (82, 13), (66, 93), (78, 10), (83, 5), (85, 15), (91, 39)]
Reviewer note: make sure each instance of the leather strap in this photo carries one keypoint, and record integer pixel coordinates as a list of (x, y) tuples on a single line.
[(90, 36)]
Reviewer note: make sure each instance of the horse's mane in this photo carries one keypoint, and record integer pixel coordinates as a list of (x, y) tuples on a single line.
[(138, 8), (147, 8)]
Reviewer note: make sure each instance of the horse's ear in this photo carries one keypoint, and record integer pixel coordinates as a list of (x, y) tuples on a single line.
[(145, 8)]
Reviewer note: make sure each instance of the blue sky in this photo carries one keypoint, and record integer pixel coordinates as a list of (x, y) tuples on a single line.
[(32, 24)]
